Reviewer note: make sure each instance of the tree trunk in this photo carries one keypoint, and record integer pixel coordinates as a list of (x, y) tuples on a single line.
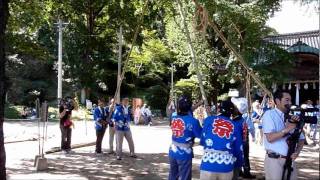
[(4, 14), (216, 88), (83, 96)]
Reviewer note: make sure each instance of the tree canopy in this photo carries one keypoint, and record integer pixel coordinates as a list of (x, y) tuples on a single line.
[(90, 46)]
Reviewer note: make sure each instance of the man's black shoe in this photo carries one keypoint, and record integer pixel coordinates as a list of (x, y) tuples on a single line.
[(248, 176), (240, 173)]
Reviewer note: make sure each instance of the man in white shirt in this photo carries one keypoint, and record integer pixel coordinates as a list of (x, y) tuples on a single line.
[(276, 131)]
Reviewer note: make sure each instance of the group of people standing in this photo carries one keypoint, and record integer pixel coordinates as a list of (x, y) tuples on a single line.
[(117, 117), (225, 139), (221, 137), (113, 115), (224, 136)]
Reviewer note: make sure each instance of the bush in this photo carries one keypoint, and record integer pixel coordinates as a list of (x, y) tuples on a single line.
[(187, 87), (12, 112), (156, 97)]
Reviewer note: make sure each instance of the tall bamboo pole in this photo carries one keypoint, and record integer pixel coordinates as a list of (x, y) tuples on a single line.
[(193, 54), (214, 26)]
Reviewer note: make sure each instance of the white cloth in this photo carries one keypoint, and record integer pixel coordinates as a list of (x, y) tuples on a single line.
[(206, 175), (241, 104), (148, 112), (125, 110), (297, 94)]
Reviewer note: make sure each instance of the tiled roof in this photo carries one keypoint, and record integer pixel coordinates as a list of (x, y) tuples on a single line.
[(301, 47), (287, 41)]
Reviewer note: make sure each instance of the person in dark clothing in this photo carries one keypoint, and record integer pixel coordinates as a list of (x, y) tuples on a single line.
[(248, 128), (241, 108), (65, 110)]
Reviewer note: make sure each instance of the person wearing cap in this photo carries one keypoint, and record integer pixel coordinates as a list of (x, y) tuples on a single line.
[(276, 130), (241, 108), (121, 118), (221, 139), (185, 129)]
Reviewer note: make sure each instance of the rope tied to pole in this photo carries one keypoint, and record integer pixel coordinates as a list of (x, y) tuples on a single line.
[(200, 19), (202, 15), (126, 62), (192, 52)]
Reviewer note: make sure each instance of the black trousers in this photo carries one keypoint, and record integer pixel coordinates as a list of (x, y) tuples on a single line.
[(246, 165), (100, 134), (65, 137)]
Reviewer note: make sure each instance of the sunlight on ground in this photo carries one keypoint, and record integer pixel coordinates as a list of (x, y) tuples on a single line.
[(152, 162)]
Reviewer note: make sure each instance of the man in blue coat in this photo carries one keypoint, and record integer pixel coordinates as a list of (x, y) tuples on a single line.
[(221, 139), (184, 129), (100, 116), (121, 118)]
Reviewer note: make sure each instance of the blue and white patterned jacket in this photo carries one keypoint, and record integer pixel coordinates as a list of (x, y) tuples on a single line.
[(98, 115), (121, 118), (184, 130), (222, 142)]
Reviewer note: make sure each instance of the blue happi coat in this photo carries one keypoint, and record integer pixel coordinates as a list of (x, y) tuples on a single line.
[(121, 118), (184, 130), (99, 114), (222, 141)]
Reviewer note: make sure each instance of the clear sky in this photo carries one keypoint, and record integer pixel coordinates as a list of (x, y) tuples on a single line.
[(294, 17)]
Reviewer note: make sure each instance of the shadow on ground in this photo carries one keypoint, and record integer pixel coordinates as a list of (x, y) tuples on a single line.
[(307, 164), (146, 166)]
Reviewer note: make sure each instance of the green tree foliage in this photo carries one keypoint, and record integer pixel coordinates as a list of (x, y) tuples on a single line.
[(90, 39), (153, 57), (155, 97), (90, 44), (187, 87), (209, 58), (29, 65), (242, 22)]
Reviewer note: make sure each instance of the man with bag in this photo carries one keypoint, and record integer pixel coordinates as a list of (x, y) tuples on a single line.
[(100, 117)]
